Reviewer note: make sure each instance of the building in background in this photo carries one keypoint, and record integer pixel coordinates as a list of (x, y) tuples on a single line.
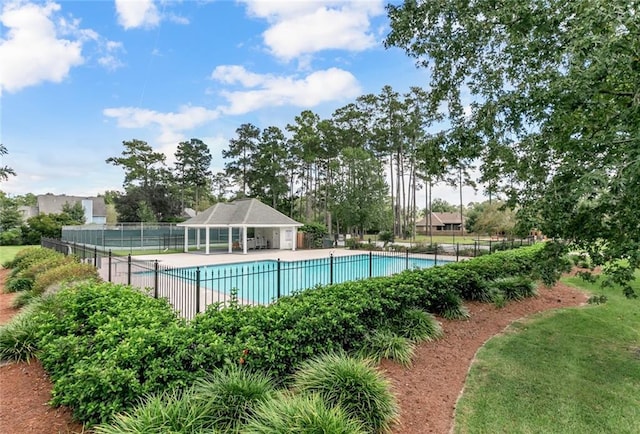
[(95, 210)]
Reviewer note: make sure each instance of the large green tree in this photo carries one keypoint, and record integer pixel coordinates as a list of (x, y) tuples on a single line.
[(240, 155), (193, 170), (148, 184), (360, 192), (553, 97)]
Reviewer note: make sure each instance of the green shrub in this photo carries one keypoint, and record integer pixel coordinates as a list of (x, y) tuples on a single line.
[(105, 345), (170, 412), (232, 395), (27, 256), (351, 384), (19, 338), (385, 344), (65, 273), (597, 299), (17, 284), (300, 415), (36, 268), (386, 237), (514, 288)]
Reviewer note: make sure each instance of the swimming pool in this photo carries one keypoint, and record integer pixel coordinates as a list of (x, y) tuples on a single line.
[(260, 282)]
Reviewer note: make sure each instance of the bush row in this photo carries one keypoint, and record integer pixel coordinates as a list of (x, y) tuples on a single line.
[(106, 345), (36, 269)]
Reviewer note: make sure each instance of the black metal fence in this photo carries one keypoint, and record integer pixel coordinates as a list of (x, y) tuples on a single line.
[(192, 290)]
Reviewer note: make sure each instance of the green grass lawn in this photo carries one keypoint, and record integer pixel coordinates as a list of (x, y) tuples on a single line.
[(572, 371), (8, 252)]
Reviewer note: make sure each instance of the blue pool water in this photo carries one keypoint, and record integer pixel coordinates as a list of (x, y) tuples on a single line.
[(260, 282)]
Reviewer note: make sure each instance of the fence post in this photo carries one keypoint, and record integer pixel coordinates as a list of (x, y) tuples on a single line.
[(95, 256), (457, 252), (198, 290), (331, 269), (370, 264), (475, 248), (490, 249), (406, 259), (435, 254), (278, 280), (155, 279), (109, 272), (129, 269)]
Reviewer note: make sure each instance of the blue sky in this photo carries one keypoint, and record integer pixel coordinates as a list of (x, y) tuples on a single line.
[(79, 77)]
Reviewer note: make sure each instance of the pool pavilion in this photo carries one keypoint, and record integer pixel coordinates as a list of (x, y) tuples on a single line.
[(272, 229)]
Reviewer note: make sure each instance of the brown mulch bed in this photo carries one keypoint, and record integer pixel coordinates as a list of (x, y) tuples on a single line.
[(427, 391)]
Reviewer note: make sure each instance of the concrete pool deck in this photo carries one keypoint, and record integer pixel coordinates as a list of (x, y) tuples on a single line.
[(193, 259)]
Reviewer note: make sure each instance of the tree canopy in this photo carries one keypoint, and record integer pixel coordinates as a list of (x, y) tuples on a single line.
[(5, 171), (546, 95)]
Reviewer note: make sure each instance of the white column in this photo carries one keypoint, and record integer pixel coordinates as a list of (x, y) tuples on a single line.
[(295, 238), (198, 238), (186, 239), (229, 240), (206, 238), (244, 240)]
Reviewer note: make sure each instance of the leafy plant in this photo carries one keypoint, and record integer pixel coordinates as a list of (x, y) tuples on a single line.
[(301, 414), (17, 284), (597, 299), (351, 384), (64, 273)]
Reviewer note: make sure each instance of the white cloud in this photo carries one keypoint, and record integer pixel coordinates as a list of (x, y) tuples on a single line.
[(186, 118), (109, 59), (172, 125), (137, 13), (32, 51), (269, 90), (305, 27)]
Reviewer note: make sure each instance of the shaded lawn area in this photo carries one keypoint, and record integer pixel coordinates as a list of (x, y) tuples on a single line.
[(570, 371)]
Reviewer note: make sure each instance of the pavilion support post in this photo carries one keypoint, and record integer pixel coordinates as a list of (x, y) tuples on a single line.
[(230, 240), (186, 239), (206, 240), (244, 240), (198, 238), (295, 239)]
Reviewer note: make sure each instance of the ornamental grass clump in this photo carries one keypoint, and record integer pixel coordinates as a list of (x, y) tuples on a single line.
[(232, 395), (449, 305), (170, 412), (301, 414), (352, 384), (19, 338), (417, 326), (514, 288), (385, 344), (24, 298)]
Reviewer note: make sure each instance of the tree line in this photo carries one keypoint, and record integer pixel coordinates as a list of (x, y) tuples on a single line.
[(360, 170)]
